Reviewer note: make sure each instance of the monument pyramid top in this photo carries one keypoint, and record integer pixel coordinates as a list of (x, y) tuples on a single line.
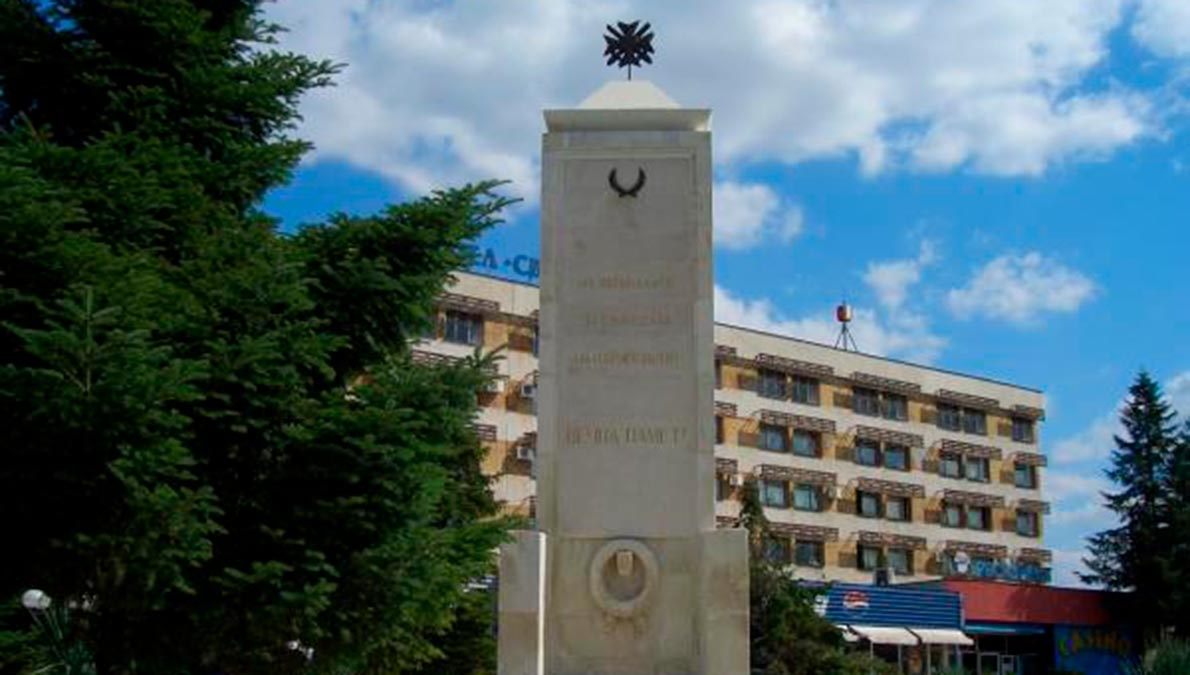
[(628, 105), (628, 95)]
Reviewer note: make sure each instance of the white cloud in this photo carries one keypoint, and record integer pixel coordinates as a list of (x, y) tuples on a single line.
[(1078, 486), (892, 279), (909, 339), (1096, 440), (1178, 391), (1021, 134), (1093, 442), (1163, 26), (747, 214), (439, 93), (1066, 562), (1092, 514), (1019, 288)]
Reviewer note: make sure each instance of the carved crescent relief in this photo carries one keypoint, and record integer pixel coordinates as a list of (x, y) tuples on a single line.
[(614, 182)]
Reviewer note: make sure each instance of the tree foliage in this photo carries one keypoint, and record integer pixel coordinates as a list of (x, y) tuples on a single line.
[(215, 438), (788, 636), (1149, 548)]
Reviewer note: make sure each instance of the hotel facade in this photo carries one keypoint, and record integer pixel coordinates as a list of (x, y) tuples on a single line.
[(869, 469)]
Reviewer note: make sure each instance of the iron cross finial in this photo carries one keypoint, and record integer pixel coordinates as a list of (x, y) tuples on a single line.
[(629, 44)]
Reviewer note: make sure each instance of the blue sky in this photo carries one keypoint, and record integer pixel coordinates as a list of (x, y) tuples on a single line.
[(999, 188)]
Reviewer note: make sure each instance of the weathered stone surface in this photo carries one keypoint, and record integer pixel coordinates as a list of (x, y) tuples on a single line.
[(637, 579), (521, 638)]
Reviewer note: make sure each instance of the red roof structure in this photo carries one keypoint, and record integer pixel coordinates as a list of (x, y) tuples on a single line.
[(992, 601)]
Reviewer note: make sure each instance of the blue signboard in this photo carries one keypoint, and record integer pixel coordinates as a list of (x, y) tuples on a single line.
[(865, 605), (961, 565), (1093, 650), (518, 266)]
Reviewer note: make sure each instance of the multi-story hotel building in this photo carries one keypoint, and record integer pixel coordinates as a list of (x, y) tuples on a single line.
[(866, 465)]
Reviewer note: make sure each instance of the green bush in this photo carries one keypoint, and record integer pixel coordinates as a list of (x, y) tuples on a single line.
[(1170, 657)]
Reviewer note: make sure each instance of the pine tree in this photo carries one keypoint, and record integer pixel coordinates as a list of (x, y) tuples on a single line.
[(1134, 554), (1178, 491), (216, 441)]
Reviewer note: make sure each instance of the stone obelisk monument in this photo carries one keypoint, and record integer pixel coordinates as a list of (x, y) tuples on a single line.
[(626, 573)]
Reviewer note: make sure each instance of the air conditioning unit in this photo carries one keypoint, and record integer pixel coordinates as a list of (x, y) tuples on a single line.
[(526, 452), (529, 391), (883, 576), (494, 386), (835, 492), (735, 480)]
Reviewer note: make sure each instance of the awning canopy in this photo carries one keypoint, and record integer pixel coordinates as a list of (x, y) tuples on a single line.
[(942, 636), (885, 635)]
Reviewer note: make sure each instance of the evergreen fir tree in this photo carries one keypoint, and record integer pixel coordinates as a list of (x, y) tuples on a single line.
[(216, 441), (1178, 491), (1134, 554)]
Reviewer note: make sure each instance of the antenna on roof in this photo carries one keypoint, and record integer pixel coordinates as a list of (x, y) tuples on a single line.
[(845, 341)]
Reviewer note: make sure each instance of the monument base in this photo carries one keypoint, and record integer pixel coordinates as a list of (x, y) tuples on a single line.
[(520, 640), (693, 623)]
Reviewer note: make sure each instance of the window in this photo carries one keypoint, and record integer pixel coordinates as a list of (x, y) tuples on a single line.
[(866, 402), (1022, 430), (805, 390), (805, 443), (775, 494), (948, 417), (718, 372), (1025, 476), (772, 384), (1030, 569), (722, 487), (950, 466), (777, 549), (896, 407), (807, 498), (809, 554), (978, 518), (719, 434), (867, 453), (536, 340), (896, 457), (952, 515), (463, 328), (867, 557), (772, 437), (975, 422), (1026, 523), (868, 503), (977, 469), (901, 561), (897, 508)]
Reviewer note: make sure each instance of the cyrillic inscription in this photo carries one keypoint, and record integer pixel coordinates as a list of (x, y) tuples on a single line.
[(627, 434), (629, 317), (627, 282), (625, 359)]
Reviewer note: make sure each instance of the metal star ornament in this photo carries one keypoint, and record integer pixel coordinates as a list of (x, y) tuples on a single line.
[(629, 44)]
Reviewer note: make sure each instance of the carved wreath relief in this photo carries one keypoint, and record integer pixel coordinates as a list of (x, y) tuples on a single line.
[(630, 191), (623, 578)]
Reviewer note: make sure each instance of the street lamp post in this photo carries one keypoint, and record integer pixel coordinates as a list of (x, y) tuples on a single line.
[(37, 602)]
